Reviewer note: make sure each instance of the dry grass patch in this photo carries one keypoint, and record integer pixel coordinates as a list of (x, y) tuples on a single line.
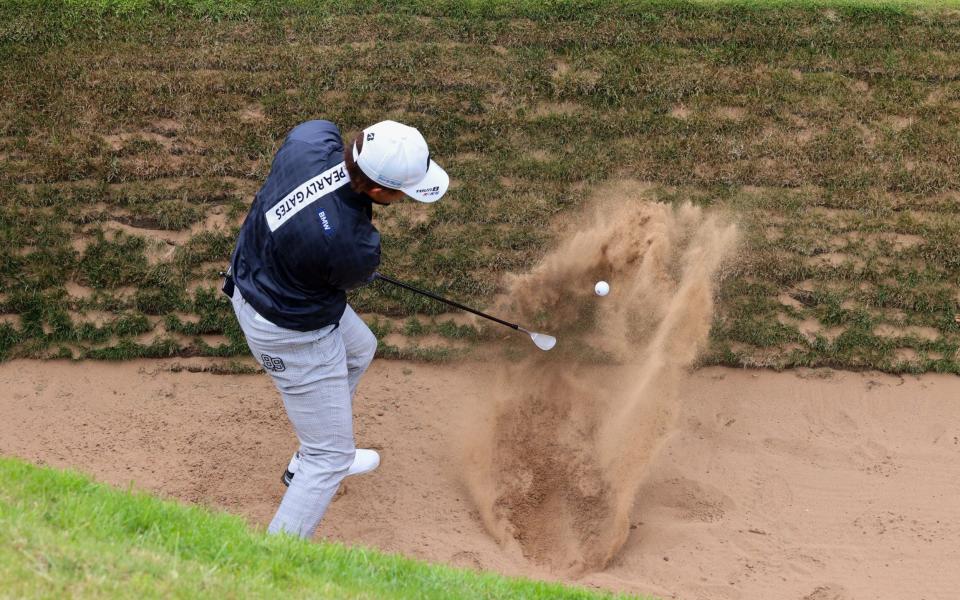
[(730, 113), (891, 331), (551, 109)]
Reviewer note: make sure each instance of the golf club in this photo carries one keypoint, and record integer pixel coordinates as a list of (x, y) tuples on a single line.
[(542, 340)]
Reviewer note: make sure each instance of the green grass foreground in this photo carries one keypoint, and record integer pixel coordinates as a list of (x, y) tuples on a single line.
[(133, 135), (64, 536)]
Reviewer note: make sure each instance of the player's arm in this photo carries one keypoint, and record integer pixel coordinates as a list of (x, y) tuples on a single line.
[(356, 263)]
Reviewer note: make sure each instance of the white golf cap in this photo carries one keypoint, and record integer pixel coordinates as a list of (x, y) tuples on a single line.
[(396, 156)]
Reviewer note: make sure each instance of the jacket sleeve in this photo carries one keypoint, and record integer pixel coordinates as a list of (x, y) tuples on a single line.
[(356, 263)]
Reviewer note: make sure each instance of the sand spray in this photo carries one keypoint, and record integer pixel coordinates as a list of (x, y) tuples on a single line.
[(555, 461)]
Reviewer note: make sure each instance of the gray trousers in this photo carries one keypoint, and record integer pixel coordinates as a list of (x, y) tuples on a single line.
[(316, 373)]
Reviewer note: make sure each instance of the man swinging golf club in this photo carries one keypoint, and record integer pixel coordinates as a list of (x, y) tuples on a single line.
[(307, 240)]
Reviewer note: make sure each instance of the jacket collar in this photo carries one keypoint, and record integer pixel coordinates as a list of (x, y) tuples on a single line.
[(357, 201)]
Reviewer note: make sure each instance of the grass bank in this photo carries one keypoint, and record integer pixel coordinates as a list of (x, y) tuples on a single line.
[(64, 536), (134, 134)]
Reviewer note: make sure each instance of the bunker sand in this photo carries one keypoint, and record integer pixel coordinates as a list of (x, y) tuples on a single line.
[(805, 485)]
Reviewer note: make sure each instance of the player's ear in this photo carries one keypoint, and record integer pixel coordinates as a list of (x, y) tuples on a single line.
[(382, 190)]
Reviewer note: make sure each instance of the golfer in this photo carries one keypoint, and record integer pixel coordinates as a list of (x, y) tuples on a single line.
[(308, 239)]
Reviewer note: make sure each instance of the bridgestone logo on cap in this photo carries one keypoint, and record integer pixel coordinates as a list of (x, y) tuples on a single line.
[(429, 191)]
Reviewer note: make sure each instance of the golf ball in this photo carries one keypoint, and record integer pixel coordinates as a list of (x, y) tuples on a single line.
[(602, 288)]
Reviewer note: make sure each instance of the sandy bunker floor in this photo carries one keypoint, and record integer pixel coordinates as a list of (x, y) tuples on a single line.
[(808, 485)]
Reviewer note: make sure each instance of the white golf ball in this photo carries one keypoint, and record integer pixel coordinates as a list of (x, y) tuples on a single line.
[(602, 288)]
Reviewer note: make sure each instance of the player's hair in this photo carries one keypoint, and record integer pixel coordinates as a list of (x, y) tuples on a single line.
[(358, 179)]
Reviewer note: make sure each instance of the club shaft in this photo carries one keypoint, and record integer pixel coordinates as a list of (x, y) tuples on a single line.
[(428, 294)]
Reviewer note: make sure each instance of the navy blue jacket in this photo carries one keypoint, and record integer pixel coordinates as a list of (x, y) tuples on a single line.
[(308, 237)]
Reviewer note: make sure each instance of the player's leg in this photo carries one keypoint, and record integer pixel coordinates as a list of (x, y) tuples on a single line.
[(310, 371), (360, 344), (319, 408)]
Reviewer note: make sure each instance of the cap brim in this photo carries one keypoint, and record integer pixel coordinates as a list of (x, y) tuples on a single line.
[(432, 187)]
